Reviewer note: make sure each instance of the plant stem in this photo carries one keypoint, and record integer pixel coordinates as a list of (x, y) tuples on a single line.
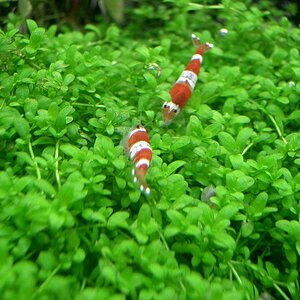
[(164, 241), (278, 129), (89, 105), (201, 6), (257, 243), (41, 287), (235, 273), (83, 284), (271, 118), (30, 63), (57, 176), (2, 104), (247, 148), (280, 291), (38, 172), (183, 287)]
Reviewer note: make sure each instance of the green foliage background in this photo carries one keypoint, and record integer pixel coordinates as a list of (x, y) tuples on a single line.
[(72, 223)]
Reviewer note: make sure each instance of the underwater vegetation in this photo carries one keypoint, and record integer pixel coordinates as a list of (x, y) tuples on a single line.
[(222, 218)]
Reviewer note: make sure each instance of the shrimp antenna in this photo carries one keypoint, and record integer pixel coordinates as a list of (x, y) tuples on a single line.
[(196, 40), (140, 120), (197, 43)]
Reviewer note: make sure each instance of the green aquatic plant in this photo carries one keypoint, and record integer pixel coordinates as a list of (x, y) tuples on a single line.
[(72, 223)]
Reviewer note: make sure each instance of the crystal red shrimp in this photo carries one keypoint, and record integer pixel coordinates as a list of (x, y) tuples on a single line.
[(140, 153), (183, 88)]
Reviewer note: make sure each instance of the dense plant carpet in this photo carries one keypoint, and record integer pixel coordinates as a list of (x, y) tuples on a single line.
[(222, 220)]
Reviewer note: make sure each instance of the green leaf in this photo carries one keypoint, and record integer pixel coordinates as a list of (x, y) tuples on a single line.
[(255, 56), (96, 216), (176, 186), (103, 145), (295, 115), (228, 142), (236, 160), (22, 92), (110, 129), (45, 186), (194, 126), (260, 202), (212, 130), (61, 119), (99, 178), (220, 225), (239, 120), (157, 271), (36, 37), (209, 90), (31, 24), (53, 111), (214, 149), (183, 201), (291, 227), (273, 272), (296, 71), (209, 258), (71, 191), (143, 51), (298, 247), (283, 187), (173, 166), (243, 137), (51, 31), (247, 229), (79, 255), (228, 211), (224, 240), (24, 157), (238, 181), (180, 143), (22, 183), (121, 182), (5, 185), (22, 128), (69, 78), (44, 140), (144, 215), (176, 217), (150, 79), (118, 219), (293, 141), (47, 260), (70, 150), (119, 163), (56, 220), (134, 195), (204, 112)]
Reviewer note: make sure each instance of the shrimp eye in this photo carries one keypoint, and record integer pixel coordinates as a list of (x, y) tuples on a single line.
[(165, 105), (174, 110)]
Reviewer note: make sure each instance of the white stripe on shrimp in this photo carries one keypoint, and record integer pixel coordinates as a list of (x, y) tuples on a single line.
[(188, 76), (142, 161), (140, 129), (137, 147), (197, 56)]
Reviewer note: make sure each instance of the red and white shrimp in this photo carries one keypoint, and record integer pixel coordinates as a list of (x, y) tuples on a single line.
[(184, 86), (140, 152)]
